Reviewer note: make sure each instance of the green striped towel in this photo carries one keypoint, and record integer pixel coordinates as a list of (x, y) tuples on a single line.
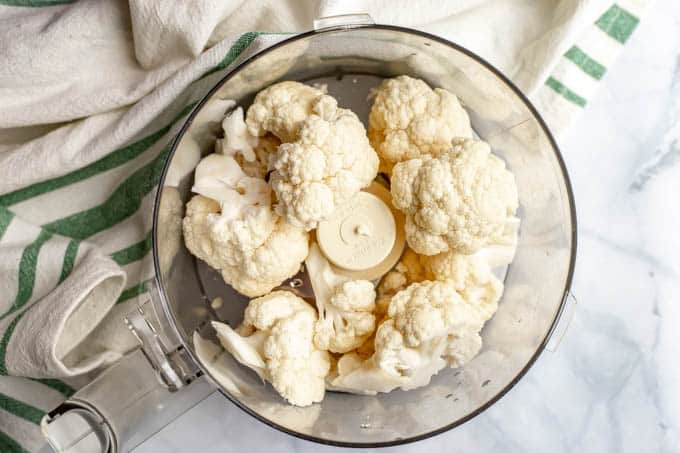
[(94, 92)]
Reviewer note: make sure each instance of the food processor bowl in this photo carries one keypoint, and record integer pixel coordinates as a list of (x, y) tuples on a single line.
[(352, 60)]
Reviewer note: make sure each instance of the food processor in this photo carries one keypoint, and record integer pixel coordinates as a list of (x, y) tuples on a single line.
[(351, 56)]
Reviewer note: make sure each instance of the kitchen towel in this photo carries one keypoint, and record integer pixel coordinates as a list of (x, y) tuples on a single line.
[(91, 95)]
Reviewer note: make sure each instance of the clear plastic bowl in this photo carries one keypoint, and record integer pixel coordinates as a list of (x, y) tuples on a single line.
[(351, 61)]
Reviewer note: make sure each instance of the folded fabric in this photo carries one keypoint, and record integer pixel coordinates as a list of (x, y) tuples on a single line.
[(93, 93)]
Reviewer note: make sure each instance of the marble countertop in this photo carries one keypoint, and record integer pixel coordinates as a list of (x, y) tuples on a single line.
[(613, 385)]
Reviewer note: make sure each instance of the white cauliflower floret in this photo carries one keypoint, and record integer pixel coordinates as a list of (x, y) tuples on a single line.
[(408, 270), (355, 374), (278, 344), (196, 228), (462, 347), (221, 178), (345, 306), (429, 310), (470, 275), (329, 163), (237, 140), (461, 201), (232, 227), (212, 357), (254, 154), (429, 322), (281, 109), (276, 259), (428, 325), (409, 119), (265, 152)]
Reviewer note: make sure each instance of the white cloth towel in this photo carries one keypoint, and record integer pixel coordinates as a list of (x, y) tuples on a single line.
[(91, 94)]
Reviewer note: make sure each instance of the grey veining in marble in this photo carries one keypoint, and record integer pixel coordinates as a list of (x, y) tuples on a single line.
[(613, 385)]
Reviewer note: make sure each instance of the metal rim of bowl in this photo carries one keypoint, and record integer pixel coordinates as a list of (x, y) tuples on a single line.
[(567, 285)]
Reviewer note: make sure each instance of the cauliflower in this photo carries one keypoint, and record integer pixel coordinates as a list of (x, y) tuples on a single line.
[(470, 275), (462, 347), (265, 151), (408, 270), (459, 201), (253, 154), (277, 259), (281, 109), (276, 341), (329, 162), (325, 157), (345, 306), (232, 227), (212, 357), (221, 178), (237, 139), (427, 311), (409, 119), (354, 374), (428, 325), (433, 319)]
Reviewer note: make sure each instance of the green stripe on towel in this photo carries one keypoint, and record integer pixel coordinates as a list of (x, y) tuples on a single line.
[(112, 160), (133, 291), (237, 49), (23, 410), (59, 386), (121, 204), (27, 269), (69, 259), (618, 23), (5, 219), (9, 445), (134, 252), (127, 153), (565, 92), (587, 64), (4, 342)]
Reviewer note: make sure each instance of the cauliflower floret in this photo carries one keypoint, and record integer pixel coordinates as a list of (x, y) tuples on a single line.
[(281, 109), (356, 374), (232, 227), (329, 163), (409, 119), (429, 310), (345, 306), (265, 152), (212, 357), (470, 275), (428, 325), (221, 178), (462, 347), (237, 140), (277, 344), (436, 320), (196, 230), (408, 270), (459, 201), (253, 154), (278, 258)]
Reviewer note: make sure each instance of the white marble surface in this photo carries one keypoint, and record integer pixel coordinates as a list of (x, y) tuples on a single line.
[(614, 383)]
